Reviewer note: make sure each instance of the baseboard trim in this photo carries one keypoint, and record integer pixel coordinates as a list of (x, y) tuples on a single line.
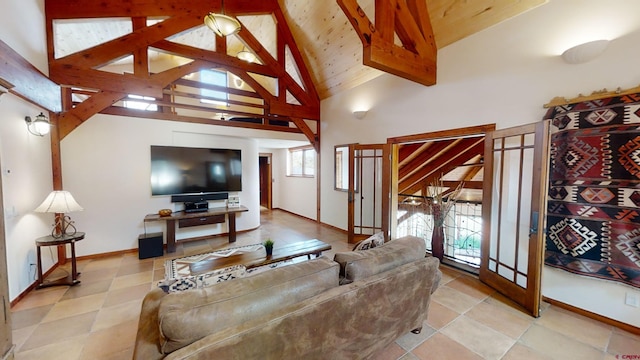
[(314, 220), (626, 327)]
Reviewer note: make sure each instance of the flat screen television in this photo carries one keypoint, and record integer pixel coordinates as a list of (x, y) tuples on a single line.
[(186, 170)]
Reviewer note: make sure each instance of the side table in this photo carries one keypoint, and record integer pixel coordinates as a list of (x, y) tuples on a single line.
[(49, 240)]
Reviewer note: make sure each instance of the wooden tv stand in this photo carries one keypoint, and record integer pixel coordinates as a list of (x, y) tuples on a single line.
[(211, 216)]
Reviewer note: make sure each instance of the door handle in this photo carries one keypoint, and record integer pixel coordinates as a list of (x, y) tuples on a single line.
[(533, 229)]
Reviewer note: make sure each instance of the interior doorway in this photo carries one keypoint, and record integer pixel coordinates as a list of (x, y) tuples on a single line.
[(264, 161), (441, 170)]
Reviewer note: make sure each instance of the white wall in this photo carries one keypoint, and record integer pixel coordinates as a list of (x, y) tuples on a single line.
[(25, 162), (106, 166), (293, 194), (502, 75)]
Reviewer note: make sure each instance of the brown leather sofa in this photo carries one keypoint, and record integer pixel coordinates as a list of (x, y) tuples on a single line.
[(298, 311)]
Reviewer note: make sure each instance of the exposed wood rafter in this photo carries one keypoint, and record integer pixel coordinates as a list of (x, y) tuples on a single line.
[(408, 20), (291, 101)]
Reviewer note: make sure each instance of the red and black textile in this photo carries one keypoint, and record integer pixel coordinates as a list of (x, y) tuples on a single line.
[(593, 216)]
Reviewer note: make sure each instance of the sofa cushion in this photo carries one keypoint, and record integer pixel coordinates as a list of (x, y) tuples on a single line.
[(202, 280), (372, 241), (191, 315), (355, 265)]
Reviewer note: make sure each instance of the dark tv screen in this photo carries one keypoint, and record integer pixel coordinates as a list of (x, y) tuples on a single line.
[(186, 170)]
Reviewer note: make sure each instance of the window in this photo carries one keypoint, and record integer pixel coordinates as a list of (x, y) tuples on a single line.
[(140, 105), (218, 78), (302, 162)]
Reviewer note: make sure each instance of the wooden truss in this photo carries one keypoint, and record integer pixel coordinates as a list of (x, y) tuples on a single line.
[(409, 20), (270, 98)]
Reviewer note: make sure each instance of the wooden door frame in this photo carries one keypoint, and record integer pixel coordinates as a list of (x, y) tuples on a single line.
[(269, 189), (430, 136)]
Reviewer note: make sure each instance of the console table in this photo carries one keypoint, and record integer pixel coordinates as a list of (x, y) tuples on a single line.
[(183, 219), (71, 279)]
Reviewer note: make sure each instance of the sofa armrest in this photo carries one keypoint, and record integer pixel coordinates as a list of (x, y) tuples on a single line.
[(147, 345)]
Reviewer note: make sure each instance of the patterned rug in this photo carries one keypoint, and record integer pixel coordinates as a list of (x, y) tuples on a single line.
[(179, 267), (593, 220)]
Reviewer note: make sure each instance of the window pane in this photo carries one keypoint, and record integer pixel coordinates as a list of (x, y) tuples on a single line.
[(218, 78), (296, 162), (309, 162)]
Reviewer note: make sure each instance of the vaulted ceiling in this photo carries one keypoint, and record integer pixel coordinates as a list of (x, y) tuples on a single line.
[(100, 52)]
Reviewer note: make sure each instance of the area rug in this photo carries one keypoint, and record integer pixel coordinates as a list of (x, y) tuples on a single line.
[(179, 267), (593, 220)]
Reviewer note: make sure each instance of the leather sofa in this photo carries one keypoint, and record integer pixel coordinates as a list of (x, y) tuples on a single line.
[(348, 308)]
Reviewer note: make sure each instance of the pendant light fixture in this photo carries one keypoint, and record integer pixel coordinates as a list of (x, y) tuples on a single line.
[(246, 55), (221, 24)]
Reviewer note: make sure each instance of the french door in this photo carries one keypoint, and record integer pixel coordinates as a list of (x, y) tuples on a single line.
[(368, 193), (516, 162)]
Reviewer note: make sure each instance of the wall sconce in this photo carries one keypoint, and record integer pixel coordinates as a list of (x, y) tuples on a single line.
[(585, 52), (40, 126), (360, 114)]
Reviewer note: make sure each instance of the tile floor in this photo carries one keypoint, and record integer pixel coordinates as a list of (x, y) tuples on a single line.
[(467, 320)]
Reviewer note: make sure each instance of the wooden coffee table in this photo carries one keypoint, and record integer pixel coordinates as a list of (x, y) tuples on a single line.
[(259, 258)]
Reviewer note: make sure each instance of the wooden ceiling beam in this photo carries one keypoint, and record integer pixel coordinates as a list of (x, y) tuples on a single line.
[(427, 156), (458, 155), (102, 54), (27, 81), (416, 61), (83, 9)]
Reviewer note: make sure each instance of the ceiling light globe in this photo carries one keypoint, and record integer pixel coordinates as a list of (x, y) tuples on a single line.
[(247, 56), (222, 25)]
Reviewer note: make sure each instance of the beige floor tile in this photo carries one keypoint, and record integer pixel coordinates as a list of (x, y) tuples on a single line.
[(410, 340), (479, 338), (440, 347), (124, 295), (454, 299), (409, 356), (117, 314), (98, 275), (103, 263), (105, 343), (134, 268), (68, 349), (131, 280), (576, 326), (28, 317), (521, 352), (42, 297), (448, 275), (557, 345), (20, 336), (440, 315), (73, 307), (623, 343), (59, 330), (391, 352), (496, 317), (471, 286), (87, 288)]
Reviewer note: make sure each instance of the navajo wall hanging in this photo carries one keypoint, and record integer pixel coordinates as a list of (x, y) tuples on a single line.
[(593, 216)]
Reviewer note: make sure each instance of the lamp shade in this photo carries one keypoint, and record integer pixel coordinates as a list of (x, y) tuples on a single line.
[(59, 201), (247, 56), (221, 24)]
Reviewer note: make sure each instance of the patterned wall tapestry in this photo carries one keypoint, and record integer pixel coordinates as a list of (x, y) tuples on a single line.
[(593, 219)]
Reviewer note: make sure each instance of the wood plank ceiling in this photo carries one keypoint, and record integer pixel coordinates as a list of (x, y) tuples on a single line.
[(101, 52)]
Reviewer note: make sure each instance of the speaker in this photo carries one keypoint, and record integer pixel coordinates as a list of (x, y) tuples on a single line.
[(194, 198), (150, 245)]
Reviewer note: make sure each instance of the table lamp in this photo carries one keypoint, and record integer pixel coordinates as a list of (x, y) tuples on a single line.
[(60, 202)]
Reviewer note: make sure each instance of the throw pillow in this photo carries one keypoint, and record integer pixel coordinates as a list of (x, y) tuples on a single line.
[(202, 280), (371, 242)]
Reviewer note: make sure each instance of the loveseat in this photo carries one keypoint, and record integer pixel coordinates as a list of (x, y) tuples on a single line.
[(347, 308)]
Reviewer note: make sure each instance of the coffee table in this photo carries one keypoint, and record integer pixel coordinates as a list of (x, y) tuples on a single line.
[(259, 257)]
